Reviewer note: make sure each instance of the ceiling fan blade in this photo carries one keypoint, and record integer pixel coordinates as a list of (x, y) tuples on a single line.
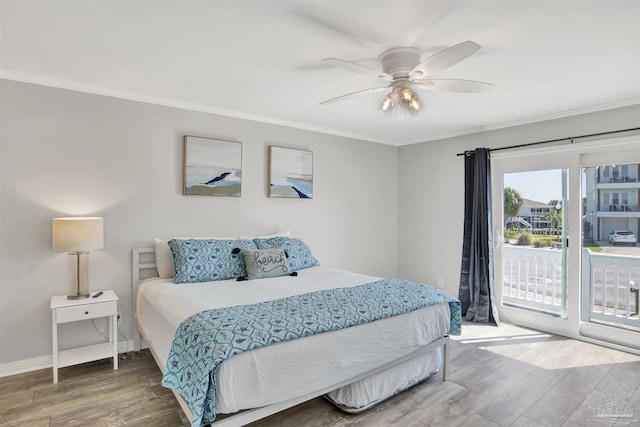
[(359, 68), (352, 94), (444, 59), (455, 85), (332, 27)]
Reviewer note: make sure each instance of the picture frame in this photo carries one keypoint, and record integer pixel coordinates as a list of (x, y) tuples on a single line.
[(290, 173), (212, 167)]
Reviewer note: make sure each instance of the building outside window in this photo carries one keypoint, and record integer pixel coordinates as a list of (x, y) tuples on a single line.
[(617, 187)]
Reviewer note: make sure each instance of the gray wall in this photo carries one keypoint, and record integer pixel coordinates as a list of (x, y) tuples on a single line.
[(431, 190), (66, 153)]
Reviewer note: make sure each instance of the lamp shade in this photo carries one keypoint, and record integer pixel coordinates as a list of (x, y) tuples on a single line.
[(77, 234)]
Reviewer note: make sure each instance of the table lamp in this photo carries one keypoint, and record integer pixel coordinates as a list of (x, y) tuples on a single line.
[(77, 236)]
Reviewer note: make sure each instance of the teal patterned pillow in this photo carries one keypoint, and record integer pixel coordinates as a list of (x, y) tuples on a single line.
[(198, 260), (299, 254), (265, 263)]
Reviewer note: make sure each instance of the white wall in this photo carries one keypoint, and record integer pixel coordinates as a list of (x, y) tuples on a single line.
[(431, 190), (68, 153)]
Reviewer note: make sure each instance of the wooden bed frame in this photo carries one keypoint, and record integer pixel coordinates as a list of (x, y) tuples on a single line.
[(144, 266)]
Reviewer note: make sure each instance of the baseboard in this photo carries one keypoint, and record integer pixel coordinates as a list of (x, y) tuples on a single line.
[(44, 362), (28, 365), (125, 346)]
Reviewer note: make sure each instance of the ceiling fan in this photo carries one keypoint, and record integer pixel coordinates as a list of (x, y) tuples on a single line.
[(403, 70)]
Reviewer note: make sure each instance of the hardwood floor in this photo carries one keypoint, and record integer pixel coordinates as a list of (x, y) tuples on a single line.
[(506, 376)]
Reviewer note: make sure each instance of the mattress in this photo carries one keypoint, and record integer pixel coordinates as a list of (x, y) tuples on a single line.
[(289, 369)]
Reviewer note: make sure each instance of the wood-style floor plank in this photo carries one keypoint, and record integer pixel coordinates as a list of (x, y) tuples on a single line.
[(515, 401), (500, 376)]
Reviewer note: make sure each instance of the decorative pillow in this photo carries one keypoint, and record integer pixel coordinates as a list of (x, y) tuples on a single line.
[(268, 236), (300, 256), (164, 257), (265, 263), (208, 260)]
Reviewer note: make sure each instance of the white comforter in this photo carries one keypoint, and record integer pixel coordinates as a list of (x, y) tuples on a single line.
[(286, 370)]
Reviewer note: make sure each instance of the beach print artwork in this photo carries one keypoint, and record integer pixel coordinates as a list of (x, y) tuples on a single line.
[(212, 167), (290, 173)]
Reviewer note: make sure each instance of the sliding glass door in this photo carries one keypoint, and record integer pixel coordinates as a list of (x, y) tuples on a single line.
[(565, 220), (531, 201), (533, 251), (610, 251)]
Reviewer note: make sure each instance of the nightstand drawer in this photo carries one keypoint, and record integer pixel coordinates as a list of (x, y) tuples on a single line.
[(86, 311)]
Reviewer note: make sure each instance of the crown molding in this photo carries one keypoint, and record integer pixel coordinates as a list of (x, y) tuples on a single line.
[(535, 119), (167, 102)]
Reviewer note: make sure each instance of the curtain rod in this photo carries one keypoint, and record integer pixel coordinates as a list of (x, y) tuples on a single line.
[(571, 138)]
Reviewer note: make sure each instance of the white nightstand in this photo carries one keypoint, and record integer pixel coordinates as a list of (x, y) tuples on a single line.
[(65, 310)]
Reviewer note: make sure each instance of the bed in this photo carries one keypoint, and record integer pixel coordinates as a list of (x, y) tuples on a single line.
[(354, 367)]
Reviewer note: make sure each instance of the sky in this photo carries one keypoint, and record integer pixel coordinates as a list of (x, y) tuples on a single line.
[(213, 152), (540, 186)]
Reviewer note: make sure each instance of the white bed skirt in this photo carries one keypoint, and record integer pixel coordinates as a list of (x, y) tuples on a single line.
[(371, 390)]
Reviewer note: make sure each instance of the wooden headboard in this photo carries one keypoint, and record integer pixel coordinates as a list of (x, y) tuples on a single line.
[(144, 267)]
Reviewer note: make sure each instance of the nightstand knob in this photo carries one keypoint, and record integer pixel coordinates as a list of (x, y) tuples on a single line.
[(86, 312)]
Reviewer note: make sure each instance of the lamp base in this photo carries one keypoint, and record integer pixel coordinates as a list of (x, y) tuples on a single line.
[(78, 275)]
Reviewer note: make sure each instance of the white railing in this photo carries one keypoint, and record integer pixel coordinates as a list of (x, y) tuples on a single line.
[(533, 278), (610, 295), (610, 289)]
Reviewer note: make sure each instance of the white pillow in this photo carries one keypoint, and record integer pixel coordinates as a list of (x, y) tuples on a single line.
[(267, 236), (164, 257)]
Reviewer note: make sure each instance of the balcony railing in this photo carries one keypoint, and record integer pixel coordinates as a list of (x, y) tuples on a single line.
[(533, 280), (617, 179), (610, 289), (619, 208)]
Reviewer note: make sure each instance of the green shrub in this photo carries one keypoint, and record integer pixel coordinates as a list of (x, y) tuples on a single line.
[(543, 242), (510, 234), (524, 239)]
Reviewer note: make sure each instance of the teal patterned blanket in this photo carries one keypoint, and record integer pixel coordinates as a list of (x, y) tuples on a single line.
[(205, 340)]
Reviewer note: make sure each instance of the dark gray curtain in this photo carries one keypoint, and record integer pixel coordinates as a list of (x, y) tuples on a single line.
[(476, 272)]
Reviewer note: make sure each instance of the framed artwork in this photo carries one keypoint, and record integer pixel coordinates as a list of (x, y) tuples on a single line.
[(290, 173), (212, 167)]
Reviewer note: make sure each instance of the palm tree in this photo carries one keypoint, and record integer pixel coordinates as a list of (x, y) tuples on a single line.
[(555, 215), (512, 203)]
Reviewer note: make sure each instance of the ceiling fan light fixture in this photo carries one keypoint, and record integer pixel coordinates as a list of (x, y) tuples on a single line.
[(407, 97), (409, 100), (404, 71), (415, 109), (387, 103)]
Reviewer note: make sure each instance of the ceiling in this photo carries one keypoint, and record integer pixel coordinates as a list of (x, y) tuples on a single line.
[(262, 60)]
